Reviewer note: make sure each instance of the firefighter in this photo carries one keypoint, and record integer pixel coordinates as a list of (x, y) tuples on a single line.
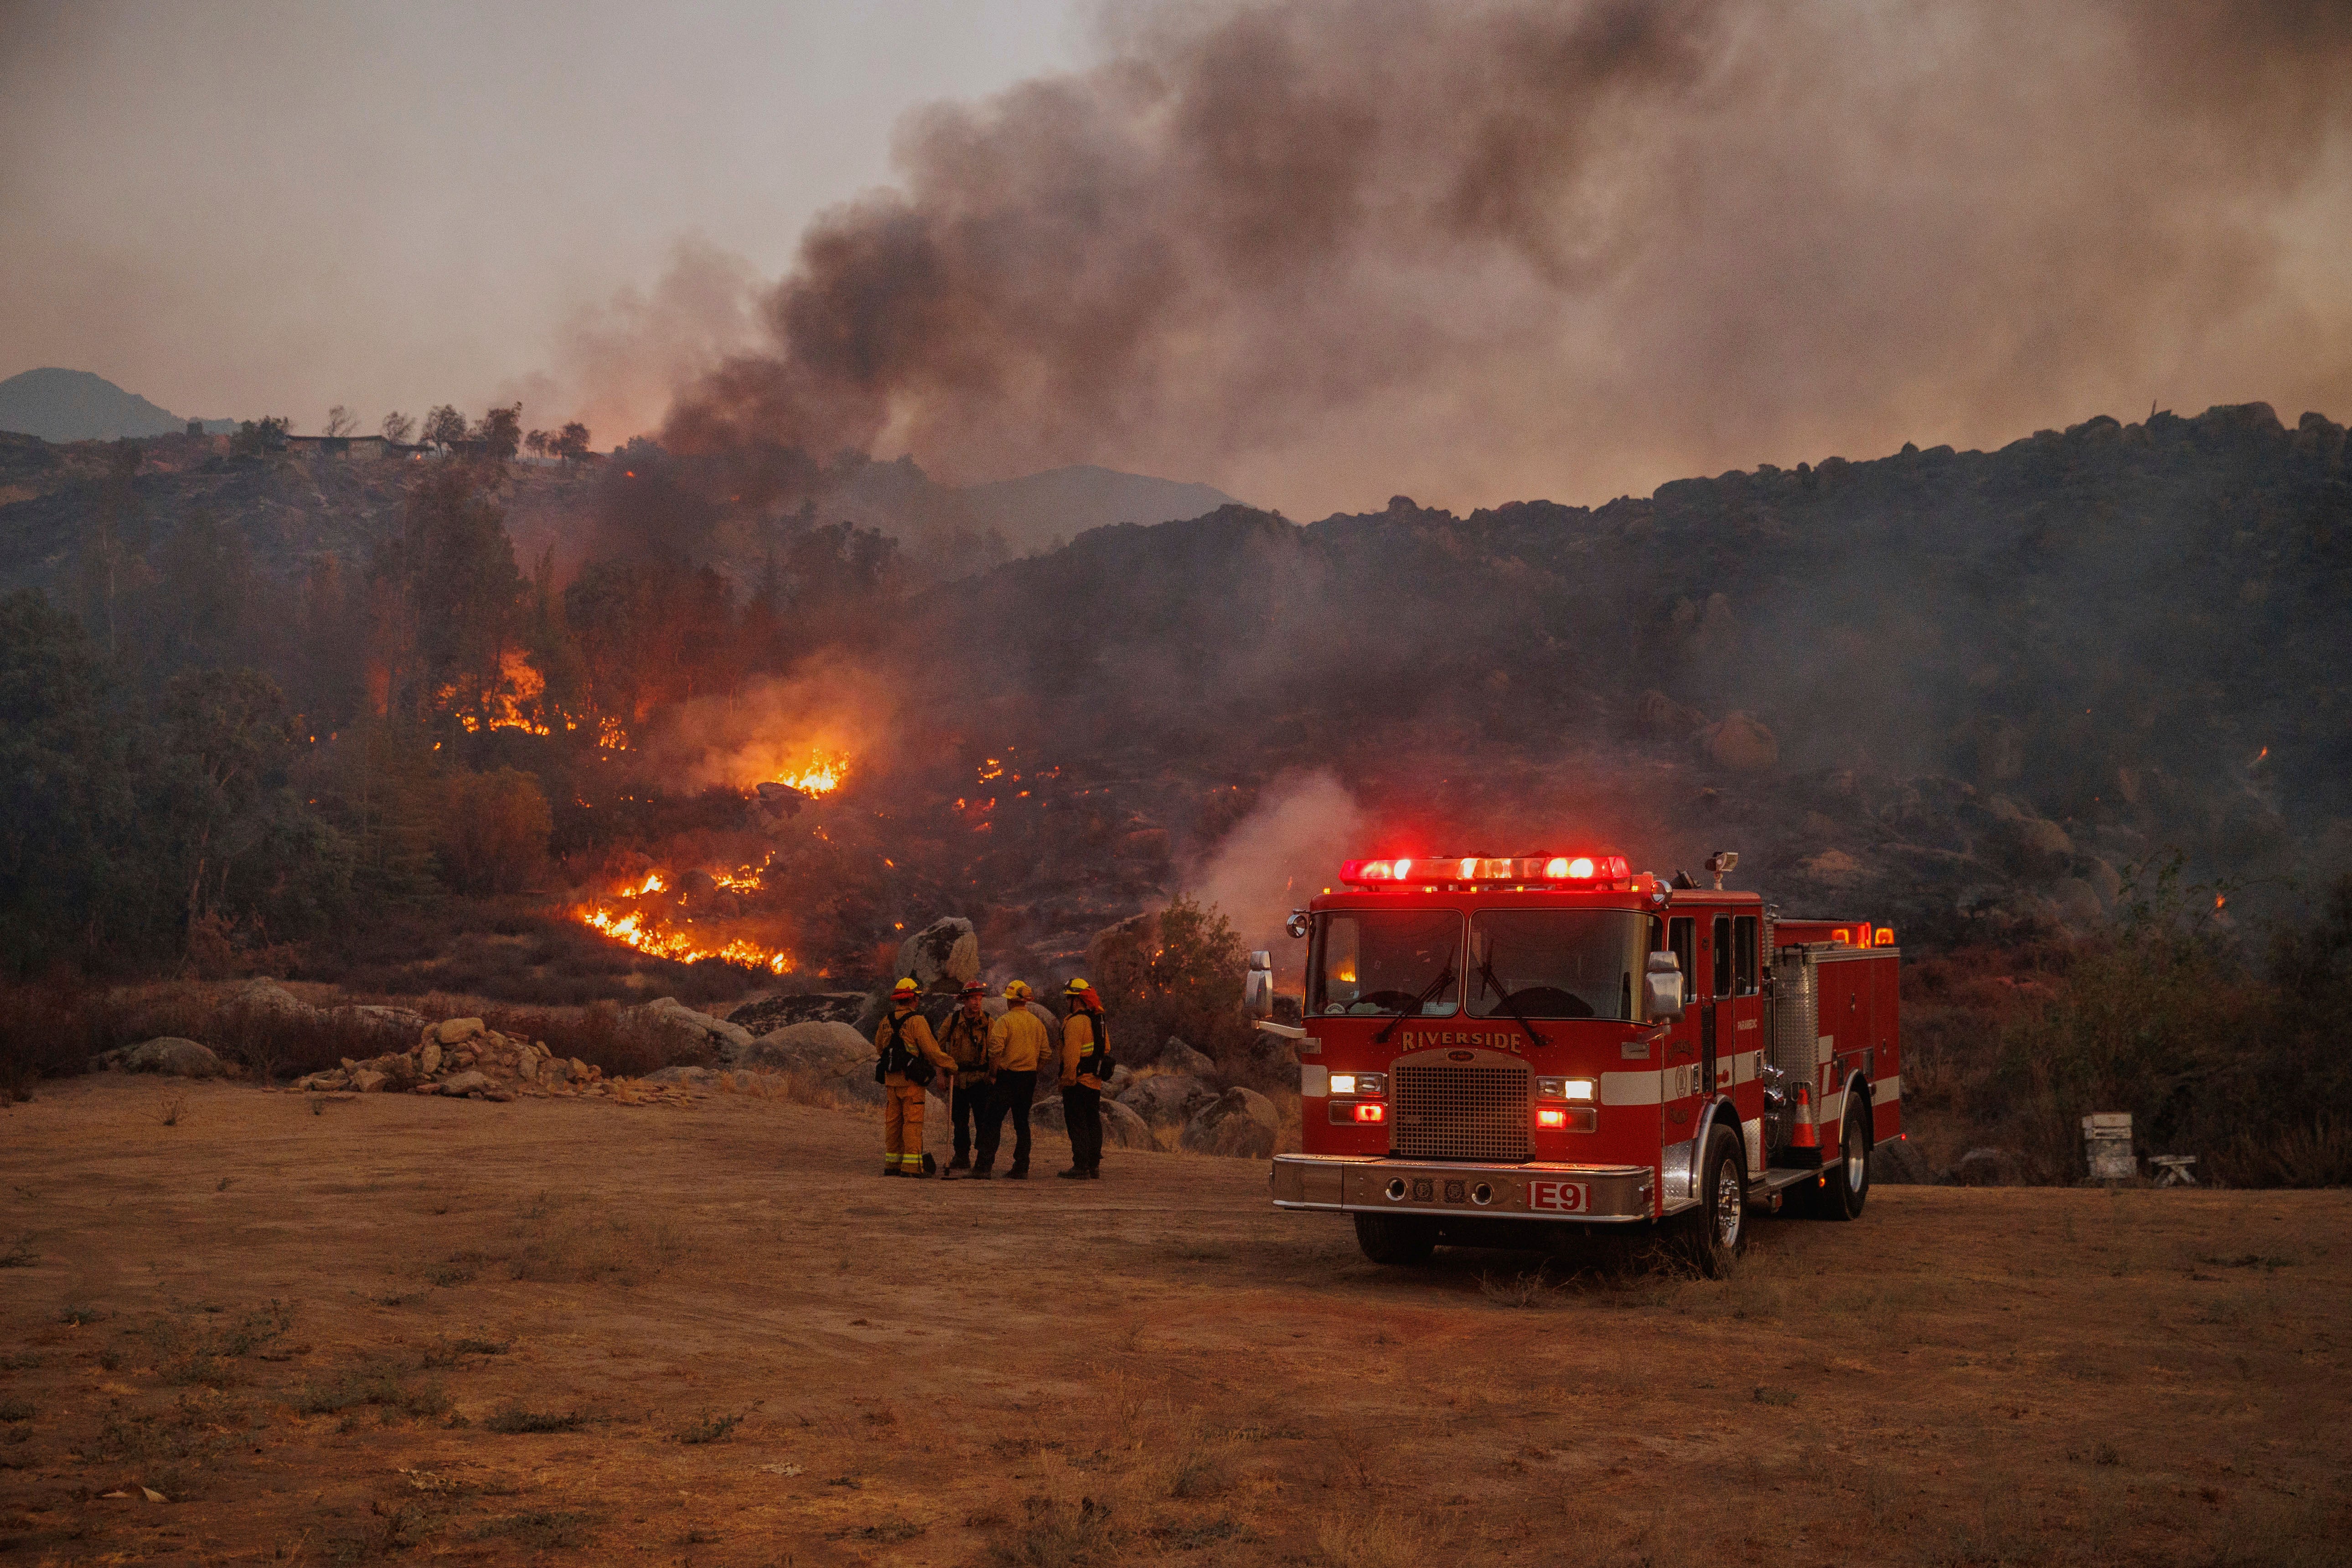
[(1018, 1046), (1085, 1047), (964, 1037), (908, 1056)]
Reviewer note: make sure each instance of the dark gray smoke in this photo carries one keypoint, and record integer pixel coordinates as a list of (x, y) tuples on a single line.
[(1318, 252)]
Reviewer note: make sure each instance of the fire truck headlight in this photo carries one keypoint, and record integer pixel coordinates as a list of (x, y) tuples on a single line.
[(1343, 1083), (1584, 1089)]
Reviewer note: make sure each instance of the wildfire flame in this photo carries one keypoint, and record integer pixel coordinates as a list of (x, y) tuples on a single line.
[(632, 929), (820, 774), (512, 704), (665, 933)]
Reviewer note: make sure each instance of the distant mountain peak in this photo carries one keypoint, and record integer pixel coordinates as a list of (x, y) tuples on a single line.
[(58, 405)]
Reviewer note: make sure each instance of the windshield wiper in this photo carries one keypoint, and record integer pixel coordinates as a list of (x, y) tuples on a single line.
[(1436, 985), (1510, 1002)]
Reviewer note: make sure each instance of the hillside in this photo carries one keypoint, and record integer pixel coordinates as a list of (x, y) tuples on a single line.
[(75, 405), (1969, 691)]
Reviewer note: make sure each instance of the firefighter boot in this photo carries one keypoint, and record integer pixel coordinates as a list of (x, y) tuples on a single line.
[(961, 1162), (1019, 1172), (981, 1172), (1075, 1174)]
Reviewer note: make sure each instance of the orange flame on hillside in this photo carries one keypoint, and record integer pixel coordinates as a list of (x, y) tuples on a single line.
[(663, 931), (820, 774)]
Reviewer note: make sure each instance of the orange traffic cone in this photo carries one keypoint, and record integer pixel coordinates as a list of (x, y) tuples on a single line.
[(1804, 1137)]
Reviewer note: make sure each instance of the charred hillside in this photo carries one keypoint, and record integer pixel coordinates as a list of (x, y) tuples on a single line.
[(1970, 686)]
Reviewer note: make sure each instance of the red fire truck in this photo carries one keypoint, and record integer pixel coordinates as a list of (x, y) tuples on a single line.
[(1492, 1047)]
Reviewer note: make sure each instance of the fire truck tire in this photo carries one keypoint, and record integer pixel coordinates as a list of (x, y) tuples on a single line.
[(1395, 1239), (1713, 1230), (1849, 1185)]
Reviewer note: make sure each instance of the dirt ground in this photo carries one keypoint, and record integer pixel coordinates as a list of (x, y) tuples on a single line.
[(397, 1328)]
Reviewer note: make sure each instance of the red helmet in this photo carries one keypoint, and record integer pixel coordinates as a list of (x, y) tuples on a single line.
[(973, 988)]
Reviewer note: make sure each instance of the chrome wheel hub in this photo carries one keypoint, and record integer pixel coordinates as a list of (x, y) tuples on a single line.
[(1857, 1162), (1729, 1198)]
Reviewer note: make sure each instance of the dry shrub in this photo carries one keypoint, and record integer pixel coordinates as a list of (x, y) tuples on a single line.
[(2319, 1155), (625, 1045), (1057, 1533), (47, 1029)]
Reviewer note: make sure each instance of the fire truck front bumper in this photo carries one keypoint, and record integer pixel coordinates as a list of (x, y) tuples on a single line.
[(1365, 1185)]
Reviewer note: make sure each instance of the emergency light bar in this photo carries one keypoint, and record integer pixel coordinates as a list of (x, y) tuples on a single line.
[(1456, 870)]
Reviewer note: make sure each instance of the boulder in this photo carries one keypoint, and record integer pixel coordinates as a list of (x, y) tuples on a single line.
[(1123, 1129), (1178, 1056), (454, 1031), (1898, 1163), (393, 1025), (946, 950), (267, 997), (774, 1013), (1740, 743), (168, 1055), (1241, 1123), (729, 1040), (1121, 1078), (1167, 1099), (367, 1080), (1109, 945), (468, 1082), (695, 1075), (834, 1055)]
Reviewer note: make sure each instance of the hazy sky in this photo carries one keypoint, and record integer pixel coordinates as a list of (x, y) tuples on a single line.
[(1314, 252), (239, 210)]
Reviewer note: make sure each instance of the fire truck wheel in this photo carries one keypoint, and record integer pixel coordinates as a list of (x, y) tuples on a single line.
[(1849, 1185), (1395, 1238), (1716, 1226)]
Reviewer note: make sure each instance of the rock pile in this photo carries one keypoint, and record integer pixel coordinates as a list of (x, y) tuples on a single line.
[(463, 1058), (1181, 1088), (772, 1013)]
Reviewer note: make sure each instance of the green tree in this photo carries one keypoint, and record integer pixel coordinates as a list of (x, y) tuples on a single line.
[(500, 432), (494, 831), (571, 443), (444, 427), (1182, 976), (67, 801), (397, 427), (258, 438), (200, 613), (452, 592)]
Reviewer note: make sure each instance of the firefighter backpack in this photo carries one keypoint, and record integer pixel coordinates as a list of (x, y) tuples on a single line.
[(902, 1059)]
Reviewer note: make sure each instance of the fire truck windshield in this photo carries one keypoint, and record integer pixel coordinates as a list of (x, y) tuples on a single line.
[(1371, 961), (1555, 964)]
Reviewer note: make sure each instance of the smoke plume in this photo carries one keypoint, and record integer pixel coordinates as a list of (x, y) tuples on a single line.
[(1279, 855), (1499, 248)]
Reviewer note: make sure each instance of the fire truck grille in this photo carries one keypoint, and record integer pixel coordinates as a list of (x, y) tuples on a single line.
[(1445, 1112)]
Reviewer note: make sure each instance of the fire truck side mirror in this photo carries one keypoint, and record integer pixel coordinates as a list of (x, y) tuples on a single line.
[(1663, 987), (1257, 992), (1297, 924)]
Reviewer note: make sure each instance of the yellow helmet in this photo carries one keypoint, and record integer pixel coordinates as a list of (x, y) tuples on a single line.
[(1077, 988), (1016, 990), (906, 987)]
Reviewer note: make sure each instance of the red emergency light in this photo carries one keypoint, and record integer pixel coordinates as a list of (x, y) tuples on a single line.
[(1479, 870)]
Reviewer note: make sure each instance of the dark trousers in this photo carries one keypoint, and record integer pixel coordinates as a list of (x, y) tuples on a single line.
[(968, 1113), (1082, 1111), (1014, 1091)]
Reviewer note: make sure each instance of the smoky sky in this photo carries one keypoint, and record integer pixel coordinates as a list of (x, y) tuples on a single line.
[(1317, 253), (241, 207)]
